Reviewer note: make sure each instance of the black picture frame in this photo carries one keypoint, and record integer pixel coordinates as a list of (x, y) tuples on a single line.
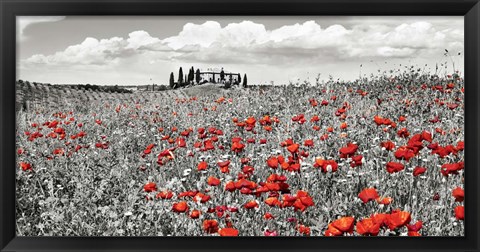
[(9, 9)]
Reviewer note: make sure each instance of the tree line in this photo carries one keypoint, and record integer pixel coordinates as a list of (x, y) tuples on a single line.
[(194, 77)]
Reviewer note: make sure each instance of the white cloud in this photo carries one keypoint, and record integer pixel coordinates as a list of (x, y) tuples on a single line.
[(98, 52), (250, 43), (138, 39), (192, 34), (24, 21)]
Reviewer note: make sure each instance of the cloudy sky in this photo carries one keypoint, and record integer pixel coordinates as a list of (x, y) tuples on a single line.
[(141, 50)]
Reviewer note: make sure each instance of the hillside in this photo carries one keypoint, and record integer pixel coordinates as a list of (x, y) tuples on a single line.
[(30, 95)]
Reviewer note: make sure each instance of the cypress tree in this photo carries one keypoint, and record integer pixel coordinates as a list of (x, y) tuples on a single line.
[(245, 81), (180, 76), (191, 75), (197, 76), (172, 80)]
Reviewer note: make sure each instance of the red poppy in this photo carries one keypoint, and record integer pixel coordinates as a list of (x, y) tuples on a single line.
[(384, 200), (348, 150), (165, 195), (245, 183), (58, 151), (210, 226), (308, 143), (403, 133), (25, 166), (302, 203), (202, 166), (398, 219), (427, 136), (344, 224), (381, 121), (326, 165), (268, 216), (293, 148), (201, 197), (393, 167), (181, 142), (150, 187), (415, 227), (272, 162), (368, 194), (190, 194), (356, 161), (180, 207), (195, 214), (458, 194), (453, 168), (388, 145), (230, 186), (208, 144), (452, 106), (405, 153), (380, 218), (272, 201), (248, 170), (250, 121), (302, 229), (418, 171), (332, 231), (251, 204), (224, 169), (237, 147), (459, 213), (223, 163), (368, 226), (212, 181), (228, 232)]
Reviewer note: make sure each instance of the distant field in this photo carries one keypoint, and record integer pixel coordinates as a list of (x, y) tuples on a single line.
[(378, 157)]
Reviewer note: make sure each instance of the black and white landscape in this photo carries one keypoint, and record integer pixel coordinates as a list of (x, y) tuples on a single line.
[(240, 126)]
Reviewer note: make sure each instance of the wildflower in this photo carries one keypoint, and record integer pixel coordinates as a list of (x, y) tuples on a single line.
[(150, 187)]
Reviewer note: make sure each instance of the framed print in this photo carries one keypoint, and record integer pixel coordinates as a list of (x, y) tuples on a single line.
[(210, 125)]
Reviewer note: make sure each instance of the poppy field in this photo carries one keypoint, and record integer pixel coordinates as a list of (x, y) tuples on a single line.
[(376, 157)]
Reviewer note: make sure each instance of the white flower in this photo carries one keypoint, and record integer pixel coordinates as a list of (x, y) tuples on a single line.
[(128, 213)]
